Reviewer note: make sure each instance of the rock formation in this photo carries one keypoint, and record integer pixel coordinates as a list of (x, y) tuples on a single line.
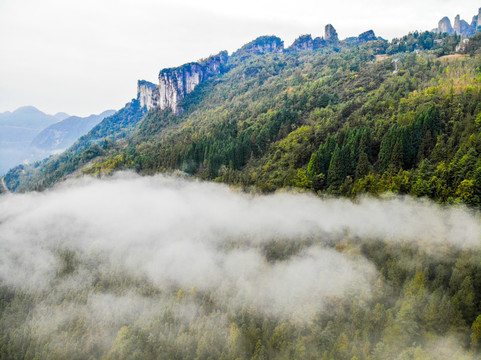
[(367, 36), (461, 27), (331, 34), (262, 45), (457, 24), (474, 23), (478, 22), (147, 94), (176, 83), (444, 26), (305, 42)]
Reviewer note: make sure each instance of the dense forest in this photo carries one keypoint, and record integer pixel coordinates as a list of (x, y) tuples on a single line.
[(350, 119)]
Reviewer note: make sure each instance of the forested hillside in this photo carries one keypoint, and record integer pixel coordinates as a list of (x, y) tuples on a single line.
[(348, 118)]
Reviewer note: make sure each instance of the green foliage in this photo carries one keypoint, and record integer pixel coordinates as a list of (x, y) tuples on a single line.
[(334, 120), (420, 305)]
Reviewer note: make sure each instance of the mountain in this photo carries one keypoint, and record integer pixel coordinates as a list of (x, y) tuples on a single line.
[(331, 116), (61, 135), (27, 117), (17, 130), (28, 135), (460, 27), (61, 116)]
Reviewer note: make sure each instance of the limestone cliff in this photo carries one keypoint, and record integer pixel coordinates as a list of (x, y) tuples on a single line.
[(331, 34), (460, 27), (367, 36), (147, 94), (176, 83), (474, 23), (444, 26), (478, 22)]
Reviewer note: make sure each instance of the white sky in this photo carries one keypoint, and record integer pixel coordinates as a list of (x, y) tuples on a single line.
[(85, 56)]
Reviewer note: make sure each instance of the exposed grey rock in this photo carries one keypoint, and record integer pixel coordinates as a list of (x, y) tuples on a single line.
[(465, 29), (478, 22), (460, 27), (214, 65), (147, 94), (367, 36), (444, 26), (473, 25), (331, 34), (457, 24), (176, 83)]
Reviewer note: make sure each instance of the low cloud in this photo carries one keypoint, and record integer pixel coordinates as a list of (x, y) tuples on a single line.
[(189, 234)]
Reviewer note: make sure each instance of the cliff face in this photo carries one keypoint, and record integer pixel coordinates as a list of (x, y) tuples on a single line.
[(176, 83), (367, 36), (331, 34), (147, 94), (444, 26), (461, 27)]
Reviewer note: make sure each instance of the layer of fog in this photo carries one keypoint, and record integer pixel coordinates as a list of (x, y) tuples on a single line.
[(193, 235)]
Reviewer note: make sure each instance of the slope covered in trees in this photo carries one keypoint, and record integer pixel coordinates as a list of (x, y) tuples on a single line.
[(348, 118)]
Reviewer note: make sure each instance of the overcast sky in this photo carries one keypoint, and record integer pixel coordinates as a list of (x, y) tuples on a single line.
[(85, 56)]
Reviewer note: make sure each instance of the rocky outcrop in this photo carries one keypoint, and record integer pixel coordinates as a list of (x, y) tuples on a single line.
[(367, 36), (461, 27), (331, 34), (214, 65), (444, 26), (176, 83), (262, 45), (474, 23), (305, 42), (147, 94), (478, 22)]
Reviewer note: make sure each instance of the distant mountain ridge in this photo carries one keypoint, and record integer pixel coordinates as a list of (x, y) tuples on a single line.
[(27, 117), (24, 136), (63, 134), (17, 129)]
